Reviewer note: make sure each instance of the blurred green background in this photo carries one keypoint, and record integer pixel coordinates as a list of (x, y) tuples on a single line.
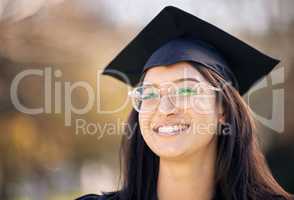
[(42, 158)]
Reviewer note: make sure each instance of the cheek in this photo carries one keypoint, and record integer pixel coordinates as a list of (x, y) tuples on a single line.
[(205, 116), (205, 106), (145, 121), (204, 123)]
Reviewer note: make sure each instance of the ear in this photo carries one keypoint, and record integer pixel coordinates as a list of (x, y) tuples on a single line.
[(220, 113), (221, 118)]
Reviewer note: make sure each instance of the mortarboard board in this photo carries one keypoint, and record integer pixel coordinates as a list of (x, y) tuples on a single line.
[(245, 65)]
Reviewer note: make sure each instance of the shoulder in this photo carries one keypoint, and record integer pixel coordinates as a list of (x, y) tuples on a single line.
[(90, 197), (104, 196)]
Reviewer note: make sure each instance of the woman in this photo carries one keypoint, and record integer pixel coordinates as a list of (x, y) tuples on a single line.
[(193, 136)]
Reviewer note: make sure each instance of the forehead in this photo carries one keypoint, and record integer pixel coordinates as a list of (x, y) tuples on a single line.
[(170, 73)]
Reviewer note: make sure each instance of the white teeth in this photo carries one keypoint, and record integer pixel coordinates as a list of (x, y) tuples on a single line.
[(170, 129), (167, 129)]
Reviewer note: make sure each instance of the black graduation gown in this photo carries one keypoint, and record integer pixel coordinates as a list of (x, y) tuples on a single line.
[(113, 196), (108, 196)]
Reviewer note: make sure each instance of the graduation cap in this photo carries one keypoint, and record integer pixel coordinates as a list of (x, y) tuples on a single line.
[(175, 35)]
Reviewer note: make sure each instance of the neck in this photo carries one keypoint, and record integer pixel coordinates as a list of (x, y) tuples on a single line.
[(189, 177)]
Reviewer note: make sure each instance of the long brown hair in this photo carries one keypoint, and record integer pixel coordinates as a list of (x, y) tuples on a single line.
[(241, 169)]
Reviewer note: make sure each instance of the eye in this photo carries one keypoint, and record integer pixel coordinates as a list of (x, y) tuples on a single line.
[(149, 95), (186, 91)]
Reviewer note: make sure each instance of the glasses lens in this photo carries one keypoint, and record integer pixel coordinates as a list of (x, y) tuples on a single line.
[(204, 102), (145, 98), (181, 93), (189, 93)]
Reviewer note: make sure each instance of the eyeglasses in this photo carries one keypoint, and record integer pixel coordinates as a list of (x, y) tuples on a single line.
[(182, 93)]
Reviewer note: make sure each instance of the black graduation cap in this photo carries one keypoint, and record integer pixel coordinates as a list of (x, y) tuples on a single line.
[(247, 64)]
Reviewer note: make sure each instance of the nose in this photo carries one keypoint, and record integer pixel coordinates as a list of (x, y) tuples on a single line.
[(165, 106)]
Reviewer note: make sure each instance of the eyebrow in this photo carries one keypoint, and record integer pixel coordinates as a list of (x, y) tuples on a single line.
[(186, 79), (174, 81)]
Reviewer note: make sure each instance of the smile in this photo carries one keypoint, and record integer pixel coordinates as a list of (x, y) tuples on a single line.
[(169, 130)]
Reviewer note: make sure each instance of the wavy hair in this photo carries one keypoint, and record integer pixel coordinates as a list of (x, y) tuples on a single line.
[(241, 169)]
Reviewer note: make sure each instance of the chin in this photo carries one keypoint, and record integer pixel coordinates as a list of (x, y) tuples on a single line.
[(178, 145), (170, 153), (171, 147)]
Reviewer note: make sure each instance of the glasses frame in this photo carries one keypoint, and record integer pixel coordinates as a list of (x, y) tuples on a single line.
[(133, 95)]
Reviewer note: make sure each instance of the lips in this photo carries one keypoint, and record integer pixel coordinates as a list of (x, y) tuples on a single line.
[(171, 129)]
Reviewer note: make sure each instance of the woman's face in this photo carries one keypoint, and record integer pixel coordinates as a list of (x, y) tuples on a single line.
[(172, 130)]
